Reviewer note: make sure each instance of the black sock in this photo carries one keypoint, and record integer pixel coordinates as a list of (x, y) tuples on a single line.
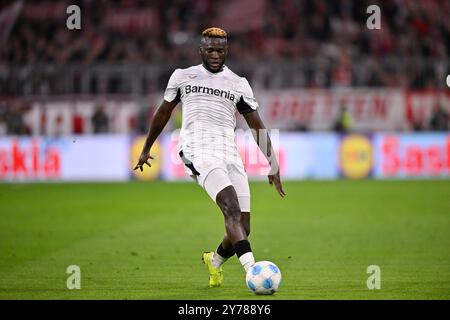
[(241, 247), (226, 253)]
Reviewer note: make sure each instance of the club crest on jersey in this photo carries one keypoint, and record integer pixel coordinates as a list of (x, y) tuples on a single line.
[(212, 91)]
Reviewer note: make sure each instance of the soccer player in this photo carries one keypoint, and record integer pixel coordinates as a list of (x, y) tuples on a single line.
[(210, 94)]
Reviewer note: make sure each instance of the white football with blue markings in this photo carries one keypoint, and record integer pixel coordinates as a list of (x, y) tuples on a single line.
[(264, 277)]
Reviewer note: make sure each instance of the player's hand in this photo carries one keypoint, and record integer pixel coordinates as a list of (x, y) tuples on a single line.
[(143, 159), (274, 179)]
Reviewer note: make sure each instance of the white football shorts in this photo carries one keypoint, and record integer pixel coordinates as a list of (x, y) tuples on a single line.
[(214, 175)]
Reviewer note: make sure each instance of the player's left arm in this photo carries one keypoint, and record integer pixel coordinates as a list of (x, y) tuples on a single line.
[(262, 138)]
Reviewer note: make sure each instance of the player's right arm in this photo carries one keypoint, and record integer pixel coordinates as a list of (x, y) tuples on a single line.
[(162, 115), (159, 121)]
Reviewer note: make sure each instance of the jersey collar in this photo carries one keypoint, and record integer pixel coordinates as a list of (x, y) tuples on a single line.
[(212, 73)]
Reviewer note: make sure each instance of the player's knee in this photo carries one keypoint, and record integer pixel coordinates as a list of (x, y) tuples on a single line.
[(231, 210)]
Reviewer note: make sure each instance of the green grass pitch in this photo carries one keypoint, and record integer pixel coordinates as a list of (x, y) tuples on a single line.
[(144, 240)]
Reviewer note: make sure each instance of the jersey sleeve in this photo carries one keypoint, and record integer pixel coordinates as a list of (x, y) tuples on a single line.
[(247, 102), (173, 86)]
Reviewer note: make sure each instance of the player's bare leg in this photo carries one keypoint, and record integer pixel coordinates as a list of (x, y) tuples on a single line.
[(237, 225), (225, 249), (228, 202), (236, 230)]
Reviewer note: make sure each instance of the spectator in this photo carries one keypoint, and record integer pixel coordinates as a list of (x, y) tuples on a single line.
[(3, 127), (14, 120), (343, 121), (100, 120), (143, 118), (439, 119), (411, 45)]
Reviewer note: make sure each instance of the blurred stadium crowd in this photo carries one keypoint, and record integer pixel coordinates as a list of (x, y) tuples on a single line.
[(131, 47), (276, 44)]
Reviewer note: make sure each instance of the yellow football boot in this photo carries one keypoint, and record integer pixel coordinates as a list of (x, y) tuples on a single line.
[(215, 275)]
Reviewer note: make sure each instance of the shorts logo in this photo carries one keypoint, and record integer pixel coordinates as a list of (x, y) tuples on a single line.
[(215, 92)]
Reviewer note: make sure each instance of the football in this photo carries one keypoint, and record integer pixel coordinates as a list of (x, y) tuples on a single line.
[(264, 277)]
